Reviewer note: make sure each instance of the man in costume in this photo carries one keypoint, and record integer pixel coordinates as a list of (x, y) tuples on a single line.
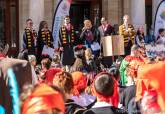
[(128, 33), (67, 42), (129, 65), (29, 38)]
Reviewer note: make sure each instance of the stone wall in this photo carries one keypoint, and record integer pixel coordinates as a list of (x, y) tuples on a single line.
[(114, 10)]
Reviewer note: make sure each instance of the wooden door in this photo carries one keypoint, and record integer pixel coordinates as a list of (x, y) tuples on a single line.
[(9, 24)]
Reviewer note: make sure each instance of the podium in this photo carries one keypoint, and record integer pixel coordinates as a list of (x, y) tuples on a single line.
[(113, 45)]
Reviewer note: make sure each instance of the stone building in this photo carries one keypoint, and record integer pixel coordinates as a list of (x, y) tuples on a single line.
[(13, 14)]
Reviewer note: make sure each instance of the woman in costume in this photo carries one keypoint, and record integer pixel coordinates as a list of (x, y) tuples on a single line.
[(45, 38)]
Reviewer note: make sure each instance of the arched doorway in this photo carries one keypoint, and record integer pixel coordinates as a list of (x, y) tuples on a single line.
[(9, 31), (85, 9)]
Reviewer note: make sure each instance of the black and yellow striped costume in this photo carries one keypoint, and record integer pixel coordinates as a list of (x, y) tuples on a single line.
[(67, 37), (29, 38), (67, 41), (127, 34), (44, 38)]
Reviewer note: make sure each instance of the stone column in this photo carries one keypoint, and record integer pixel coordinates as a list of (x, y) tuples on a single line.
[(23, 15), (48, 11), (105, 8), (113, 11), (127, 8), (36, 12), (138, 12)]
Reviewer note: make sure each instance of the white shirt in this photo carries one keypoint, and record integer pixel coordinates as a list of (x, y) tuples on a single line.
[(161, 40), (84, 99), (101, 104)]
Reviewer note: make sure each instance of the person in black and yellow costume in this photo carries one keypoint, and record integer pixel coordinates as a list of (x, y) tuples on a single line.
[(29, 38), (128, 32), (67, 42), (44, 38)]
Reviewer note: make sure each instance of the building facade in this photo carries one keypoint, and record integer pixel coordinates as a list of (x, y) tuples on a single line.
[(13, 15)]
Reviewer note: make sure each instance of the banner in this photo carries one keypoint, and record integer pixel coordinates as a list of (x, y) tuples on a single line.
[(61, 11), (159, 18)]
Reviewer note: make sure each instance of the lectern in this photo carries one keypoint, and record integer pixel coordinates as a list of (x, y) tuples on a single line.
[(113, 45)]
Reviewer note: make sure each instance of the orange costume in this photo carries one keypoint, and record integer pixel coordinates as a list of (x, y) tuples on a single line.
[(152, 76)]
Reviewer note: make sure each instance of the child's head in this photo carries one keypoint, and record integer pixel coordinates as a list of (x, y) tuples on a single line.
[(162, 31), (45, 63), (32, 60), (64, 81), (56, 59), (104, 85), (79, 51), (88, 53), (80, 82), (44, 99), (115, 73)]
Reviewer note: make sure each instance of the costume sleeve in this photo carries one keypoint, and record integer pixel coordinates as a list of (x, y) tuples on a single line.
[(96, 34), (82, 35), (121, 32), (38, 44), (132, 32), (51, 39), (24, 41), (122, 71), (60, 39), (76, 40)]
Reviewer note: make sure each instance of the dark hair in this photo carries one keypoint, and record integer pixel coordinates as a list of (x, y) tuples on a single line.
[(23, 55), (42, 23), (114, 72), (28, 20), (64, 81), (67, 16), (79, 51), (1, 46), (161, 30), (138, 32), (104, 84), (46, 63)]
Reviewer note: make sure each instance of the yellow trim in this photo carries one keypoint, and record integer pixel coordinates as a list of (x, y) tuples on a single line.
[(43, 35), (28, 36)]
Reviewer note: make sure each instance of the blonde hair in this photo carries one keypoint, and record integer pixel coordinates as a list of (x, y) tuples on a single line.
[(87, 23), (88, 54), (126, 16)]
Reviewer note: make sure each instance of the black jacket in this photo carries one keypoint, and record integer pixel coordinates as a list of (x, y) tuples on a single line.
[(105, 110)]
